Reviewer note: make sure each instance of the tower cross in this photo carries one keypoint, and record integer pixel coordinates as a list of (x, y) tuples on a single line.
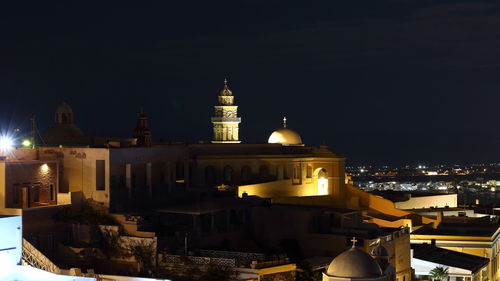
[(353, 240), (225, 81), (284, 122)]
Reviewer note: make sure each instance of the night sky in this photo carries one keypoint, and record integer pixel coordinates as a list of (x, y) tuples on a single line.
[(386, 82)]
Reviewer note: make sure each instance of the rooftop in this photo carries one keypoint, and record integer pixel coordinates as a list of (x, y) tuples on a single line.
[(442, 256), (461, 226)]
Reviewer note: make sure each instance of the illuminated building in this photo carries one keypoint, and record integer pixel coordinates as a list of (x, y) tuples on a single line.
[(226, 120), (117, 175), (28, 184)]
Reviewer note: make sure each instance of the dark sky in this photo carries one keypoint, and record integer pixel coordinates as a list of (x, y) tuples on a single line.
[(379, 81)]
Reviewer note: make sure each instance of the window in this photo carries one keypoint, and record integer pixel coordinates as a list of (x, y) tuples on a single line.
[(309, 171), (296, 172), (100, 171)]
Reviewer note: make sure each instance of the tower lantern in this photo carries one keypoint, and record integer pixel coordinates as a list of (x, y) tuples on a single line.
[(226, 120)]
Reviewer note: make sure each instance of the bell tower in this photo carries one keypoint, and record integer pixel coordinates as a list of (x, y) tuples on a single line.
[(141, 131), (226, 120)]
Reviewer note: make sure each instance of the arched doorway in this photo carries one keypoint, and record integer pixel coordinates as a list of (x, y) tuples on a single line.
[(321, 180)]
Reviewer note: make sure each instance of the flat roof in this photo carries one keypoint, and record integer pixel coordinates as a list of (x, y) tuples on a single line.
[(442, 256), (460, 226)]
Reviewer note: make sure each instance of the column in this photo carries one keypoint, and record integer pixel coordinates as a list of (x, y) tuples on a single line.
[(128, 179), (149, 181)]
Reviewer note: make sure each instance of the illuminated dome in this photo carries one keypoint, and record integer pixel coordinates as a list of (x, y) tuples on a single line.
[(285, 136), (354, 263)]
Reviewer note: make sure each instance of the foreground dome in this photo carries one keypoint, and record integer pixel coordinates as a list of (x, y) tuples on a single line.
[(354, 263), (285, 136)]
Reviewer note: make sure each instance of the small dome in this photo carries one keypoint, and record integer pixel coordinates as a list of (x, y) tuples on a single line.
[(225, 91), (64, 108), (354, 263), (285, 136), (379, 251)]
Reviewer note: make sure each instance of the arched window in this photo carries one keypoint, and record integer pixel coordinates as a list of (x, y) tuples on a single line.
[(309, 171), (296, 171), (246, 173), (228, 174)]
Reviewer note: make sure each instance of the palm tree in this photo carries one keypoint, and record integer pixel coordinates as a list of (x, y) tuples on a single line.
[(439, 273)]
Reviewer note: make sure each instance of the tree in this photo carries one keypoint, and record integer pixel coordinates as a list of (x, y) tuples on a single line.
[(144, 253), (439, 273)]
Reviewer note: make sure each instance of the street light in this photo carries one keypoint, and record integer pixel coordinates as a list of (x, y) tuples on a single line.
[(6, 144), (26, 143)]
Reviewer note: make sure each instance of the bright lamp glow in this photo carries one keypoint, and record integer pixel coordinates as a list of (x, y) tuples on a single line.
[(6, 143), (44, 168), (26, 143), (322, 186)]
